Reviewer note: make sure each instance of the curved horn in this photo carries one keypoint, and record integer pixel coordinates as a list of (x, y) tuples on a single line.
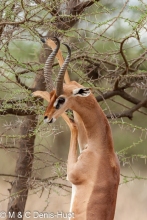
[(60, 79), (48, 67)]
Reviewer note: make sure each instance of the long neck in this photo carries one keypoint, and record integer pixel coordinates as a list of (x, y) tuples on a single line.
[(96, 123)]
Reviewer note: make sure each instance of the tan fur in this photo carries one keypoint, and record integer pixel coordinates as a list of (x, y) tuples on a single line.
[(43, 94), (96, 172), (82, 136)]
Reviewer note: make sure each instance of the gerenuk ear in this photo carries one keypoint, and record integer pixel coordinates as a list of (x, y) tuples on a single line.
[(43, 94), (83, 92)]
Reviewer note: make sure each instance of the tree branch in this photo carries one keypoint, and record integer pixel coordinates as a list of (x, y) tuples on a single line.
[(128, 113), (14, 23), (121, 93), (18, 112), (78, 9), (23, 84)]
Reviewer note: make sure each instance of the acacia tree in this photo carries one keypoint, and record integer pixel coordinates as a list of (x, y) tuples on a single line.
[(109, 55)]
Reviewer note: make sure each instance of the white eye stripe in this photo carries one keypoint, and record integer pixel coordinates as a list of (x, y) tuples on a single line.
[(55, 103), (59, 101)]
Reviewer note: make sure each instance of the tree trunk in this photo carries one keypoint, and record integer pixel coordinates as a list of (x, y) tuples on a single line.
[(20, 186)]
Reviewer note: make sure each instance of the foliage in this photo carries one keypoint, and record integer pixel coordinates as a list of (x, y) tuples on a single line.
[(108, 42)]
